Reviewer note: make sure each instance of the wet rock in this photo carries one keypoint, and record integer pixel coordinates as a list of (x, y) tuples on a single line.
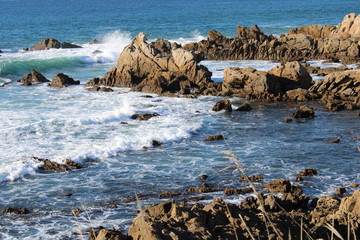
[(76, 211), (253, 178), (33, 77), (15, 211), (214, 138), (69, 45), (61, 80), (304, 112), (287, 120), (308, 172), (234, 191), (299, 95), (124, 123), (100, 89), (54, 166), (45, 44), (107, 234), (244, 107), (224, 104), (97, 52), (143, 116), (203, 189), (95, 41), (298, 179), (354, 185), (203, 177), (169, 194), (340, 191), (156, 143), (336, 140)]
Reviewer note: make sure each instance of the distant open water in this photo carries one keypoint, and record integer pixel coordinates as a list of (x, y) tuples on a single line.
[(85, 126)]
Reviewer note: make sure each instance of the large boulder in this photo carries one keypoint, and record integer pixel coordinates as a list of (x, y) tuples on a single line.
[(61, 80), (46, 44), (157, 67), (33, 77), (272, 85), (293, 71)]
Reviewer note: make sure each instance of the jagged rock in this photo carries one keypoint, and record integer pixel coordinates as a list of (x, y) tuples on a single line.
[(45, 44), (61, 80), (33, 77), (304, 112), (69, 45), (169, 194), (299, 95), (308, 172), (272, 85), (314, 31), (143, 116), (244, 107), (339, 89), (214, 138), (156, 68), (309, 42), (16, 211), (349, 27), (253, 178), (351, 204), (234, 191), (224, 104), (54, 166), (107, 234)]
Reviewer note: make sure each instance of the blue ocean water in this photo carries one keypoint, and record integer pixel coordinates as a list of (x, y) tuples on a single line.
[(119, 159)]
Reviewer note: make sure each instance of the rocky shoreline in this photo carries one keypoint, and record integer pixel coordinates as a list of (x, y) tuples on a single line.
[(277, 209)]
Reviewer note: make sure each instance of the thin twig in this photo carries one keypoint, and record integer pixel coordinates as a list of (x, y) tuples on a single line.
[(246, 227)]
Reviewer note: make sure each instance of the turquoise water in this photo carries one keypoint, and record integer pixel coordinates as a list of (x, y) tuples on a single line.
[(119, 159)]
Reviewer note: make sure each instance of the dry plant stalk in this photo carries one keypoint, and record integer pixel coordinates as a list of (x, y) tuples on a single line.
[(246, 227), (235, 163), (231, 220)]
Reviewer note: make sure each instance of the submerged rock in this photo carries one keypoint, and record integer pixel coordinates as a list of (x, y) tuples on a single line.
[(54, 166), (308, 172), (244, 107)]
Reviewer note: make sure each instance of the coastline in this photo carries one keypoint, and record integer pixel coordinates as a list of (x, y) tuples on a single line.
[(182, 76)]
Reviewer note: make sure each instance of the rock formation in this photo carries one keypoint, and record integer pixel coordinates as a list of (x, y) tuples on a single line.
[(33, 77), (49, 43), (308, 42), (157, 67), (284, 82), (339, 90), (61, 80)]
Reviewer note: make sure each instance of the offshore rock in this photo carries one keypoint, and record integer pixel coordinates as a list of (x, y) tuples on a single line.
[(54, 166), (69, 45), (314, 31), (15, 211), (304, 112), (157, 67), (224, 104), (33, 77), (61, 80), (45, 44)]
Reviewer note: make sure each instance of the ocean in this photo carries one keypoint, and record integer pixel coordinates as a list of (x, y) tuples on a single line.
[(119, 159)]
